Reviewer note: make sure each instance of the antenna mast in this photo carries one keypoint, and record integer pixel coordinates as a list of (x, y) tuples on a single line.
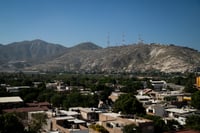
[(123, 39), (140, 40), (108, 39)]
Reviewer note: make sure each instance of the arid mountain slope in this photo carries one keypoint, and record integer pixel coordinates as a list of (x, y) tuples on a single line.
[(129, 58)]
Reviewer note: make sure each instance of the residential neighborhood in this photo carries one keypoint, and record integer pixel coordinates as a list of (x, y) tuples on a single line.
[(167, 102), (99, 66)]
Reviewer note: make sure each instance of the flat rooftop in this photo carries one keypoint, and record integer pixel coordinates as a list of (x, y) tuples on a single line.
[(10, 99), (65, 118), (180, 111), (140, 120), (77, 121), (70, 119), (69, 113), (112, 114), (89, 110)]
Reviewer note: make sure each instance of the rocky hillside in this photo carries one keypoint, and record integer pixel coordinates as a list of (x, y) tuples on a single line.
[(129, 58), (27, 53), (88, 57), (85, 46)]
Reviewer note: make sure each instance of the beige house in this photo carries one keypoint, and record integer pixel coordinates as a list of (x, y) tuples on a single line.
[(114, 123), (88, 114)]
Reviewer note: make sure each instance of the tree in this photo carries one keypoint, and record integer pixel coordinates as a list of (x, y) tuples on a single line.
[(131, 85), (45, 95), (172, 125), (98, 128), (57, 100), (37, 121), (196, 100), (159, 124), (30, 97), (128, 104), (148, 84), (131, 129), (9, 123), (3, 92), (29, 94), (189, 87), (193, 122), (73, 100), (105, 93), (189, 84)]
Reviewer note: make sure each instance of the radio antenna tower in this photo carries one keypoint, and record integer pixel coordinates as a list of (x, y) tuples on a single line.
[(108, 40), (123, 39), (140, 40)]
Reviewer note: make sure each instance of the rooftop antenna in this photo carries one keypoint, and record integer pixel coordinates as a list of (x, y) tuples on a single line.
[(108, 40)]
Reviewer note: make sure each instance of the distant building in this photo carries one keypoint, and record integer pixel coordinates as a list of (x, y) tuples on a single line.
[(144, 99), (14, 89), (156, 109), (36, 84), (198, 82), (158, 85), (180, 115), (51, 85), (10, 102), (88, 114), (13, 99), (114, 123), (69, 124), (57, 112)]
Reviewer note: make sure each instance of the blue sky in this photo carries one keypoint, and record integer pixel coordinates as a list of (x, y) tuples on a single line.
[(69, 22)]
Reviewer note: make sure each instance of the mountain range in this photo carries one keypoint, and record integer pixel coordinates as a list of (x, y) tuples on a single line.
[(39, 55)]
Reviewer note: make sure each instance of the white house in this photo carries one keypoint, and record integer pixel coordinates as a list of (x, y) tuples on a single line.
[(180, 114)]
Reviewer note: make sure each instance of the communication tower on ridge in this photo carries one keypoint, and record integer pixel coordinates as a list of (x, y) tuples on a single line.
[(123, 39), (108, 40), (140, 40)]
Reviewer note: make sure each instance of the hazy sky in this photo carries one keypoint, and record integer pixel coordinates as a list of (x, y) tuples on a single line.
[(69, 22)]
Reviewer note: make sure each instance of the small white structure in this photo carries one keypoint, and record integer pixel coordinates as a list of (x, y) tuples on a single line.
[(159, 84), (14, 89), (144, 99)]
